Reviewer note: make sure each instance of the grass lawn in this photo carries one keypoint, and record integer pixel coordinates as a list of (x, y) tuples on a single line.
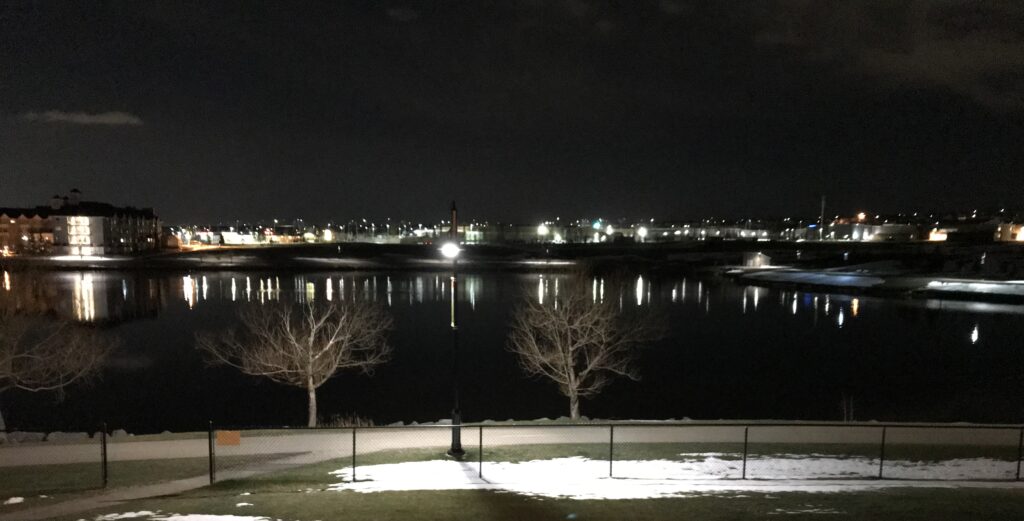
[(905, 504), (62, 482)]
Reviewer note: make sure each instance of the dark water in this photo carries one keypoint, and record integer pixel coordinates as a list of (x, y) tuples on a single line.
[(733, 352)]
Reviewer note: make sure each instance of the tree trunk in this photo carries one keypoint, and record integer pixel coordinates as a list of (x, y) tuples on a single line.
[(312, 406), (574, 407)]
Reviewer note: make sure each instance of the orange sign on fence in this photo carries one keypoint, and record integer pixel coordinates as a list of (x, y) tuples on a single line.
[(229, 437)]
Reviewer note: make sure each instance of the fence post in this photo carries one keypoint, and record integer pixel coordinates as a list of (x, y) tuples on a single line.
[(881, 454), (353, 454), (611, 448), (102, 451), (212, 452), (480, 453), (1020, 451), (746, 432)]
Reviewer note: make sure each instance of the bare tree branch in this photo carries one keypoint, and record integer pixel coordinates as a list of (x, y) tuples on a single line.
[(302, 345), (577, 341), (42, 355), (38, 355)]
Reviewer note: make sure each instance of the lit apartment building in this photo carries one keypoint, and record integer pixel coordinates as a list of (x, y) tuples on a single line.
[(71, 226)]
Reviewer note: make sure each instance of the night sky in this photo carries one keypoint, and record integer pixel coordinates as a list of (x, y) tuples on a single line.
[(217, 111)]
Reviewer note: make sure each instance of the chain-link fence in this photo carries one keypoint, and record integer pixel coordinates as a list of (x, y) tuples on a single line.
[(435, 456)]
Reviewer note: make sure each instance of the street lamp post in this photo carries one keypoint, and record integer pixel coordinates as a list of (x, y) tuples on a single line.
[(451, 251)]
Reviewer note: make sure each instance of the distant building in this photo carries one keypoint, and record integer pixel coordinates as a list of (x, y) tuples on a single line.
[(71, 226), (854, 231)]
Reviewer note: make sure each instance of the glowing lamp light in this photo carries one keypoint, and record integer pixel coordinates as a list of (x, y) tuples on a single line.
[(861, 216), (328, 235), (642, 232), (450, 250), (543, 230)]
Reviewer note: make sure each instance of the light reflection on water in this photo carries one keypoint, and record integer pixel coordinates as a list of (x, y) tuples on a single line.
[(90, 296), (730, 360)]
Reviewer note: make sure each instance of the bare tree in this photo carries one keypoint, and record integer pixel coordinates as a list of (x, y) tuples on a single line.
[(303, 345), (578, 341), (46, 355)]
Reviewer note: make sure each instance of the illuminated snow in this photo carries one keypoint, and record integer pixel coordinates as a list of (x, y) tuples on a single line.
[(581, 478)]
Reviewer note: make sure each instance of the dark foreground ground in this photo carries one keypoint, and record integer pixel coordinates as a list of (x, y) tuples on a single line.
[(299, 504)]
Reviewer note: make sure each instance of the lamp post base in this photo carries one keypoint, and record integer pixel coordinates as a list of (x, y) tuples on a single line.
[(455, 451)]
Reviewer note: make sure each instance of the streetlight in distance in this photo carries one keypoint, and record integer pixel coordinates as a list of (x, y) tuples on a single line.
[(642, 233), (450, 250)]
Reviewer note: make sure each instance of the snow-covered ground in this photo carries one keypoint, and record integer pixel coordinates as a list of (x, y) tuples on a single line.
[(697, 474), (581, 478)]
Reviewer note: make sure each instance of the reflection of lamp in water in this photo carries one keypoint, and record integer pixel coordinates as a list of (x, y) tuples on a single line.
[(188, 289), (639, 290), (974, 334)]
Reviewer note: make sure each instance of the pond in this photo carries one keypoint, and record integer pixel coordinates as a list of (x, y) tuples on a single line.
[(732, 352)]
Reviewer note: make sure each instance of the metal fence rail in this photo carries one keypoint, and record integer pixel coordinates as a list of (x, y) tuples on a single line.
[(724, 450), (637, 450)]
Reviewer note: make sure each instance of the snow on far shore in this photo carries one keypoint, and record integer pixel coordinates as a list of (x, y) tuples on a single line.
[(581, 478)]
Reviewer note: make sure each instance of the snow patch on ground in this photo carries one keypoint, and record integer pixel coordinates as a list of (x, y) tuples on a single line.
[(243, 504), (810, 509), (582, 478), (153, 516), (14, 500), (207, 517), (125, 515)]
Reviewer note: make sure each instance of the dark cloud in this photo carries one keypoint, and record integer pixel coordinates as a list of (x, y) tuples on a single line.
[(83, 118), (402, 14), (975, 49)]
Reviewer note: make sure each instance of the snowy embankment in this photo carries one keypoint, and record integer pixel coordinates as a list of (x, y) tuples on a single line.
[(818, 278), (582, 478), (1013, 289)]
